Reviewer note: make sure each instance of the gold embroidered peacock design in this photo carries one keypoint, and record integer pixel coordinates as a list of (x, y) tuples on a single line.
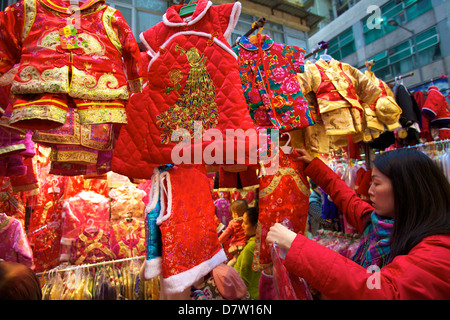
[(195, 103)]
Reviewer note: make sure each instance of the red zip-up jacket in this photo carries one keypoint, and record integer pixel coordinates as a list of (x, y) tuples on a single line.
[(424, 273)]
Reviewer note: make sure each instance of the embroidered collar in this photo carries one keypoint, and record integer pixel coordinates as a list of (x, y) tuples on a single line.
[(326, 65), (63, 6), (245, 43), (172, 17)]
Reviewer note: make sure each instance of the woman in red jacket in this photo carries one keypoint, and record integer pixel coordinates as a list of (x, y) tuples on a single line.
[(412, 262)]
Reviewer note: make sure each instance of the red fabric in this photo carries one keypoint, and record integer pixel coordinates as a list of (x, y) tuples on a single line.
[(186, 57), (190, 245), (45, 224), (436, 109), (327, 89), (421, 274), (236, 232), (229, 179), (34, 51), (425, 129), (344, 197), (365, 183), (127, 159), (283, 195)]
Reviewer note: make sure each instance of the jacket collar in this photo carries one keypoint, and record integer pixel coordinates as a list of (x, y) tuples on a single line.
[(172, 17), (327, 65), (245, 43), (64, 6)]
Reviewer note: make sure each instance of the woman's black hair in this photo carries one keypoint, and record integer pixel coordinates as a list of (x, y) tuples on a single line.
[(252, 214), (421, 196)]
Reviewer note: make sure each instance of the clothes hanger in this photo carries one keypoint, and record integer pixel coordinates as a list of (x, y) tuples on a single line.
[(325, 56), (253, 38), (188, 8), (91, 227), (255, 26)]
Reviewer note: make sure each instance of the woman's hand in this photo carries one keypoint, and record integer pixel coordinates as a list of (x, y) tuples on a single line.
[(304, 156), (281, 235)]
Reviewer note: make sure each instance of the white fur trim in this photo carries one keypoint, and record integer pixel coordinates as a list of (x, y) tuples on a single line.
[(163, 217), (191, 22), (151, 268), (235, 13), (154, 191), (222, 45), (149, 51), (435, 90), (179, 282)]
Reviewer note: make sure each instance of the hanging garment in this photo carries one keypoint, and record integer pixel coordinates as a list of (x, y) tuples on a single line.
[(223, 212), (411, 115), (127, 202), (93, 65), (91, 246), (128, 238), (45, 225), (152, 266), (410, 108), (87, 209), (127, 159), (12, 166), (268, 74), (76, 143), (102, 166), (192, 79), (436, 109), (14, 244), (28, 181), (236, 179), (12, 203), (425, 133), (190, 245), (340, 89), (284, 195), (384, 113)]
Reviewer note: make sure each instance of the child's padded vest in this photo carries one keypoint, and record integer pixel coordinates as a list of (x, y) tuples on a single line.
[(193, 82)]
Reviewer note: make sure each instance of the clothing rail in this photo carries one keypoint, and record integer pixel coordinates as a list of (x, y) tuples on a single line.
[(104, 263), (437, 143), (367, 65), (403, 76), (322, 46), (432, 80)]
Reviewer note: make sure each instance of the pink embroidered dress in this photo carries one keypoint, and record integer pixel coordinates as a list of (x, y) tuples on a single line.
[(14, 244)]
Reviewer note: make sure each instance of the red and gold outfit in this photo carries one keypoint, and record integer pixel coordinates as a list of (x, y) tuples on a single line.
[(128, 239), (340, 91), (190, 245), (91, 247), (62, 65), (284, 195)]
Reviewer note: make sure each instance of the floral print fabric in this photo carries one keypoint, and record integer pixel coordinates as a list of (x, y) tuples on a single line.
[(268, 74)]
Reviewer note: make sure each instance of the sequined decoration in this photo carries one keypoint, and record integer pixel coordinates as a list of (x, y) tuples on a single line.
[(195, 103)]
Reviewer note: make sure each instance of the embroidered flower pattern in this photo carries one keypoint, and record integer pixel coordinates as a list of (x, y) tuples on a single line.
[(271, 85)]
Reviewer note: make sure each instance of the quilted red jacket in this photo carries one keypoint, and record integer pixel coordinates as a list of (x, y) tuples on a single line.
[(424, 273), (193, 75), (127, 158)]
